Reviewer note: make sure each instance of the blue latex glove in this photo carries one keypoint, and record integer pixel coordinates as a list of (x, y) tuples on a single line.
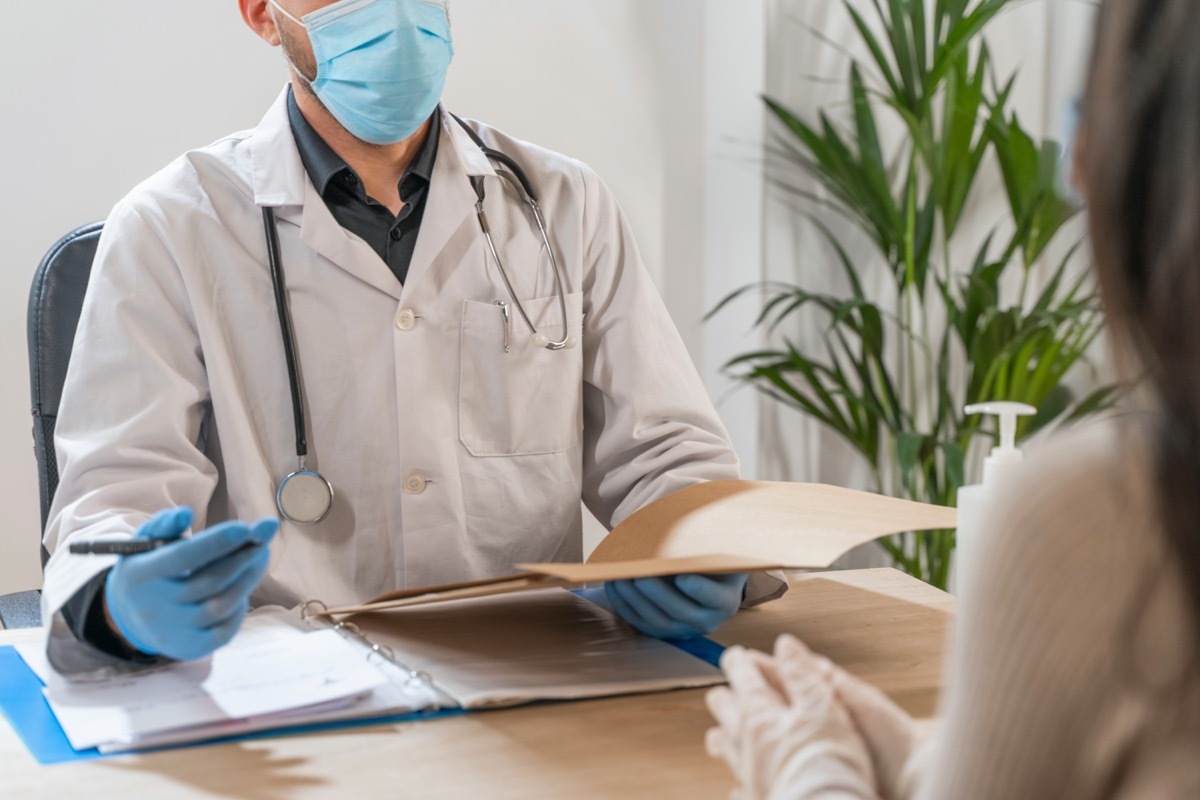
[(677, 606), (187, 598)]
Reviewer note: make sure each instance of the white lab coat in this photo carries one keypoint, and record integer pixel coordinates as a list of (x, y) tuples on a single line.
[(450, 459)]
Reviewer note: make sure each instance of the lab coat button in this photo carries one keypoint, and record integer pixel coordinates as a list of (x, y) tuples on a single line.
[(406, 320), (415, 484)]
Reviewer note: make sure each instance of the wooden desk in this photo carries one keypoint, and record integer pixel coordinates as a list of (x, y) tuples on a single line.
[(879, 624)]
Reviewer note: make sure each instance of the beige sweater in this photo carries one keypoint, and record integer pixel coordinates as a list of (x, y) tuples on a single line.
[(1076, 674)]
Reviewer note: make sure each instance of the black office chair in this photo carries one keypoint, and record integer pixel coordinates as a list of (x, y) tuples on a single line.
[(54, 304)]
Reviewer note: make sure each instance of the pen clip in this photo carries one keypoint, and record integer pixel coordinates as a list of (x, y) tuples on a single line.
[(506, 316)]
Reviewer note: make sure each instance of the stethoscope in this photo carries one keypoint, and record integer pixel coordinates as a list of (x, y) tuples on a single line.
[(305, 497)]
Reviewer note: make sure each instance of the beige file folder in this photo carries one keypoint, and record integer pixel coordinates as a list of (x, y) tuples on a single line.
[(715, 527)]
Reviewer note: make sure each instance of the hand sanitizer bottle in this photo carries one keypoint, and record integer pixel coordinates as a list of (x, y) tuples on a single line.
[(972, 499)]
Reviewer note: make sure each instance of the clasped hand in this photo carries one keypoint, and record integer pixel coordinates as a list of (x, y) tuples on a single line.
[(187, 598), (797, 726)]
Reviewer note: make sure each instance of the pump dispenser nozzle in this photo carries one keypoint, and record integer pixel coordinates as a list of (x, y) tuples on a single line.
[(1006, 452)]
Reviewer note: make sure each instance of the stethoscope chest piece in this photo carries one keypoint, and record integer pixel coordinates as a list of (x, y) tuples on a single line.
[(304, 497)]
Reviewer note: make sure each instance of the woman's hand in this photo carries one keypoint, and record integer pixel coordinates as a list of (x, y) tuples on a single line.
[(783, 729)]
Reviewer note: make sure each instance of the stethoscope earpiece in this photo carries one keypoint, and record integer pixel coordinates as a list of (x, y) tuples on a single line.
[(541, 340)]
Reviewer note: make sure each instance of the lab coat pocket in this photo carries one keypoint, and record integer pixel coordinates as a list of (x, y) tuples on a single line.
[(526, 401)]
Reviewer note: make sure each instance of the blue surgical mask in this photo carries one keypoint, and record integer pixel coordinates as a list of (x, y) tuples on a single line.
[(381, 64)]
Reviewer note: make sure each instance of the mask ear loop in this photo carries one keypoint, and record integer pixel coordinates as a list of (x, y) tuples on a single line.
[(284, 11)]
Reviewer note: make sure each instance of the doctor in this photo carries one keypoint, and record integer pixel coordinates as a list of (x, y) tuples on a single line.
[(446, 366)]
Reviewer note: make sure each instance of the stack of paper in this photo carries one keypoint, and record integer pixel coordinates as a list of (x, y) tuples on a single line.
[(272, 674)]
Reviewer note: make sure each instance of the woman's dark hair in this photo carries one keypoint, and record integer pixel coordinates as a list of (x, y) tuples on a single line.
[(1139, 159)]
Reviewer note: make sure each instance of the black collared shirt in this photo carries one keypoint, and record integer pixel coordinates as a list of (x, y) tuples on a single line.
[(392, 236)]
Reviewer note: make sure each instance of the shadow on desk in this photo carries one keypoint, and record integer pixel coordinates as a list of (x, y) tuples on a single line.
[(248, 770)]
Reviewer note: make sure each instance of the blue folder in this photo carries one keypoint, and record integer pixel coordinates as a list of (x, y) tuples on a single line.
[(25, 707)]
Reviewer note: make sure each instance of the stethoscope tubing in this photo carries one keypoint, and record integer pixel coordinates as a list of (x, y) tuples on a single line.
[(285, 327), (560, 290), (531, 200), (287, 330)]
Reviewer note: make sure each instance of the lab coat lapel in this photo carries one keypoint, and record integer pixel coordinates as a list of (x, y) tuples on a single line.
[(450, 210), (320, 231), (281, 181)]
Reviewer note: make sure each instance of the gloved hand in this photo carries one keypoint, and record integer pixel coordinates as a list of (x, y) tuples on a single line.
[(187, 598), (782, 729), (677, 606), (893, 738)]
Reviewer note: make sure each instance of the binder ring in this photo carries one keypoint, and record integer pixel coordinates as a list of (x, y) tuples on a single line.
[(350, 626), (306, 612), (387, 654), (384, 652)]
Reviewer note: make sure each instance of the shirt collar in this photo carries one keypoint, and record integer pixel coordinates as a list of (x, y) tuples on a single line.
[(323, 165)]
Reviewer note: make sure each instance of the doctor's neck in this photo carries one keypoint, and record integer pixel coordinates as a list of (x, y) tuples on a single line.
[(380, 167)]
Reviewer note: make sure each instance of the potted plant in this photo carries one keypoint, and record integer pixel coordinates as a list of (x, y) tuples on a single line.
[(893, 376)]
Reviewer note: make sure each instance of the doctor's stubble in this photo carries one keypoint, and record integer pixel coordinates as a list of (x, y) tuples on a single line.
[(298, 53)]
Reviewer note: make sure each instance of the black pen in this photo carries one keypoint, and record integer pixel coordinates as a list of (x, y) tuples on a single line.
[(128, 547)]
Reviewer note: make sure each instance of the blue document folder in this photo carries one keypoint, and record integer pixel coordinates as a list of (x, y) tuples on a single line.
[(23, 704), (25, 707)]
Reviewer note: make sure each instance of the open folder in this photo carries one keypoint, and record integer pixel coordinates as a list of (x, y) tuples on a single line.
[(283, 671), (712, 528)]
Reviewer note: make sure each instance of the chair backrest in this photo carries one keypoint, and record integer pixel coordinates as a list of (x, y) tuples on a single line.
[(54, 305)]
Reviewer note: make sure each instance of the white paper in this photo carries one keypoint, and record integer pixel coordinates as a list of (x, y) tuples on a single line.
[(34, 656), (269, 668), (391, 699)]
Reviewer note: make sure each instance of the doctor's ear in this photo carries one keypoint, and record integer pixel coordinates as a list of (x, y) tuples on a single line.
[(258, 17)]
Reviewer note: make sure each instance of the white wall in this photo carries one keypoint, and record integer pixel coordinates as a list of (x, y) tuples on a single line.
[(661, 97), (657, 95), (97, 96)]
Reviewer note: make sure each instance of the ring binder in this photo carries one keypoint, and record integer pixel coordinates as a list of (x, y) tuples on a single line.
[(384, 652), (286, 669)]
